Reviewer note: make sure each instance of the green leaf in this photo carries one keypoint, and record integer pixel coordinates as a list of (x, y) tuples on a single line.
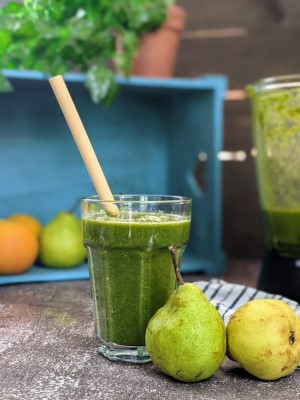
[(5, 85), (11, 8), (5, 40), (123, 59), (26, 30), (100, 84)]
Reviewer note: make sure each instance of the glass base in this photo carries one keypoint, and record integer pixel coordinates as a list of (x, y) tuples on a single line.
[(130, 354)]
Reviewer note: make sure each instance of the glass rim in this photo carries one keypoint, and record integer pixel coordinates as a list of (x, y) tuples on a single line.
[(132, 198), (273, 83)]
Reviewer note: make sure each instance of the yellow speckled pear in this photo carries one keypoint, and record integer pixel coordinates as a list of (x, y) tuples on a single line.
[(264, 338)]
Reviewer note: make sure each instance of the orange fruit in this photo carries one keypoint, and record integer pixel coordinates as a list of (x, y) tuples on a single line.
[(29, 221), (18, 247)]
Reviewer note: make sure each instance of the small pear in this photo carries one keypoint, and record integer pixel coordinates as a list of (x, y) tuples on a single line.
[(61, 243), (264, 338), (186, 338)]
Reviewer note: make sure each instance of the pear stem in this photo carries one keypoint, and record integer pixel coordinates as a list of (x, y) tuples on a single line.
[(74, 206), (172, 250)]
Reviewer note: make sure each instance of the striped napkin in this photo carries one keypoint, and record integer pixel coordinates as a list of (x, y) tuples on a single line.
[(227, 297)]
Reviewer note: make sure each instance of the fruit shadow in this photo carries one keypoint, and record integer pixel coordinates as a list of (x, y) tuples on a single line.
[(240, 373), (158, 374)]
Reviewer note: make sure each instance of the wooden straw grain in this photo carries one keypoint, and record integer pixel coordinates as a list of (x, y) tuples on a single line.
[(83, 143)]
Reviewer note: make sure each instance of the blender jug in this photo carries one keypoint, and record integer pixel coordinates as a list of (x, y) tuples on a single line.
[(276, 136)]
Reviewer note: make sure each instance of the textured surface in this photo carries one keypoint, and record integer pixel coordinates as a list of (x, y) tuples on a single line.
[(47, 351)]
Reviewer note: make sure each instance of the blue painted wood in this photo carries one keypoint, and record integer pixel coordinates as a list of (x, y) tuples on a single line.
[(38, 273), (147, 141)]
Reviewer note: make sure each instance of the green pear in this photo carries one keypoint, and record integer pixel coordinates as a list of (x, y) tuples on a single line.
[(186, 338), (264, 338), (61, 242)]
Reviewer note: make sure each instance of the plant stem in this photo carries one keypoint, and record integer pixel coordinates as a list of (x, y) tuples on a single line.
[(172, 250)]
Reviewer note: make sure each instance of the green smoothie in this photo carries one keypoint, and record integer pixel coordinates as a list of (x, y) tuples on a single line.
[(131, 270), (276, 121)]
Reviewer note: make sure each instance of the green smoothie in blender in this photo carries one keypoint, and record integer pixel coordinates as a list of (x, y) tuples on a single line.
[(276, 121)]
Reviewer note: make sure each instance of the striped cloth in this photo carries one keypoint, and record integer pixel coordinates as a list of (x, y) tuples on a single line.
[(227, 297)]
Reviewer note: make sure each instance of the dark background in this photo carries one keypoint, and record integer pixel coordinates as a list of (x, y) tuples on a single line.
[(245, 40)]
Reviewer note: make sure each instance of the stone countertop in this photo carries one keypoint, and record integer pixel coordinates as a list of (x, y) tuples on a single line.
[(48, 351)]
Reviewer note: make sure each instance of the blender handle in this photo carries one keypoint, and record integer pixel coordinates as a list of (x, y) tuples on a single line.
[(239, 155), (196, 179)]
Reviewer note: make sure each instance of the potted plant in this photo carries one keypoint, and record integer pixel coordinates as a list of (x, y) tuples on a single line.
[(59, 36), (157, 50)]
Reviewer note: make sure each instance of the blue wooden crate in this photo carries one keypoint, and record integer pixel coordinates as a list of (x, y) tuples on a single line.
[(147, 141)]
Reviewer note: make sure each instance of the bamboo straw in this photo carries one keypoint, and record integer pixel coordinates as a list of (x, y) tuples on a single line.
[(83, 143)]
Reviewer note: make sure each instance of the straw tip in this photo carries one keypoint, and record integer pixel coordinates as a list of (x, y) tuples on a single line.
[(53, 78), (113, 211)]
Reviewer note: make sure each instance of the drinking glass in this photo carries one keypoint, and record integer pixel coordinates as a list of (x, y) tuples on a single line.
[(130, 266)]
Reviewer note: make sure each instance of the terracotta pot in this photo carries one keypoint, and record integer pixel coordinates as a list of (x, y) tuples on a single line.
[(157, 50)]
